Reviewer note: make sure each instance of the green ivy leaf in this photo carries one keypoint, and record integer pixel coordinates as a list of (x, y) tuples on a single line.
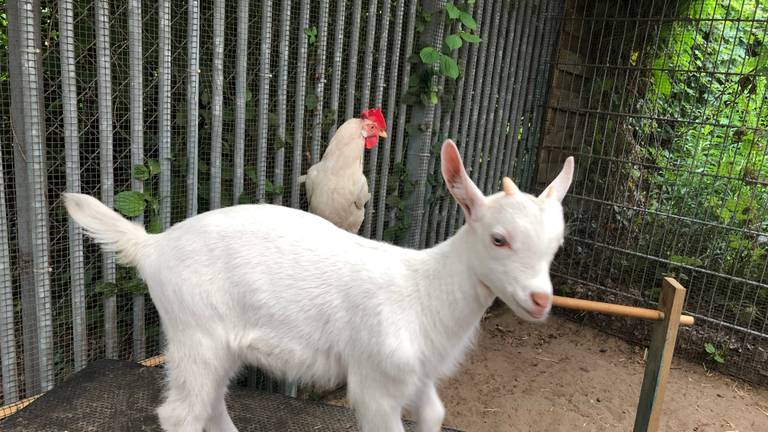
[(468, 21), (433, 98), (453, 11), (130, 203), (453, 41), (448, 67), (311, 101), (709, 348), (469, 37), (311, 33), (140, 172), (154, 167), (106, 289), (133, 285), (429, 55)]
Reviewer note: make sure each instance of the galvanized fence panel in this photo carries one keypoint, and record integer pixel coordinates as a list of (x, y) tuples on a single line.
[(189, 105), (663, 105)]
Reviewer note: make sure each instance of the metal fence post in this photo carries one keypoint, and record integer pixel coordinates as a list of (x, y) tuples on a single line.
[(28, 119), (463, 110), (264, 77), (402, 109), (72, 157), (193, 93), (104, 77), (391, 104), (338, 47), (137, 150), (418, 153), (317, 120), (543, 83), (8, 344), (217, 102), (282, 97), (240, 98), (354, 46), (164, 108), (301, 92)]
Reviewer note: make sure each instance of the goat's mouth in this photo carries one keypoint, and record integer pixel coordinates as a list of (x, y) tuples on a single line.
[(525, 313)]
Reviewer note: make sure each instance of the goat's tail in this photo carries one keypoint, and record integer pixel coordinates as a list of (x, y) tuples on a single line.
[(106, 227), (301, 179)]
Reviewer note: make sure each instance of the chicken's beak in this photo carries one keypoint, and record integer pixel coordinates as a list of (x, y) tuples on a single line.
[(383, 134)]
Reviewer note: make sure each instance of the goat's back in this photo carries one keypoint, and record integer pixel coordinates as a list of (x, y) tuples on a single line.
[(269, 276)]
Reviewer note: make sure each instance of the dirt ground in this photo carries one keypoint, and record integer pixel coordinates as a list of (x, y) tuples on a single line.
[(562, 376)]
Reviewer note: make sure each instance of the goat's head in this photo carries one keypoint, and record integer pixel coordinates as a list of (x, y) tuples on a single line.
[(513, 235)]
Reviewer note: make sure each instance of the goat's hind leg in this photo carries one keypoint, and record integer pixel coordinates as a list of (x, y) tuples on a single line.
[(429, 409), (197, 382), (377, 403), (219, 420)]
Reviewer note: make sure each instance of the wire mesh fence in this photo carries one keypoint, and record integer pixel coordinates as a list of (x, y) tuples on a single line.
[(168, 109), (663, 104)]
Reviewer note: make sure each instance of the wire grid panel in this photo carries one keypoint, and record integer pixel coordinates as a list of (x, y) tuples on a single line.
[(190, 105), (663, 105)]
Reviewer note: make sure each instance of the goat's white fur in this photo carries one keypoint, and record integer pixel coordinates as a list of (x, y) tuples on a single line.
[(293, 294)]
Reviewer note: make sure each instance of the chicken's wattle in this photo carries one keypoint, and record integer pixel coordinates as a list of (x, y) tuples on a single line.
[(371, 141)]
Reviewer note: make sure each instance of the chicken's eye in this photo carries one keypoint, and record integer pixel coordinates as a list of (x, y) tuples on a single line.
[(499, 240)]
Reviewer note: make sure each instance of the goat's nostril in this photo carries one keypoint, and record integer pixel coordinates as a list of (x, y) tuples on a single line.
[(540, 299)]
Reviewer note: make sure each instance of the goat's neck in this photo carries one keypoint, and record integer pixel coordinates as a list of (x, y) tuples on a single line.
[(454, 295)]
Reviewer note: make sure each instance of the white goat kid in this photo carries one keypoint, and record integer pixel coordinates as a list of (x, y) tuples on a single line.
[(291, 293)]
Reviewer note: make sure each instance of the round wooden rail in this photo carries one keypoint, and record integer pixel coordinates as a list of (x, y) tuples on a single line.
[(614, 309)]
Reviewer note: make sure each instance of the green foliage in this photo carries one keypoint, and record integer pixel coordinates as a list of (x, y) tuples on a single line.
[(430, 55), (439, 62), (311, 33), (130, 203), (715, 354), (399, 189), (134, 203), (712, 73)]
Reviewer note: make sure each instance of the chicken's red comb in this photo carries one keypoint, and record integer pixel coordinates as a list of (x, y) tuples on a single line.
[(375, 115)]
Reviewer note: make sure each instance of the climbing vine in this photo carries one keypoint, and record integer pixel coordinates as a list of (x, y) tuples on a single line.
[(429, 62)]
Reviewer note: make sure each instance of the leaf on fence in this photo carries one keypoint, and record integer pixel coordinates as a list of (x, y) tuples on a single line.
[(468, 21), (130, 203), (448, 67), (453, 41), (453, 11), (140, 172), (469, 37), (429, 55), (154, 167)]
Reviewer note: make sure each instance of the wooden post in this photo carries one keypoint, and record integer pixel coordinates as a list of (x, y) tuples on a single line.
[(659, 358)]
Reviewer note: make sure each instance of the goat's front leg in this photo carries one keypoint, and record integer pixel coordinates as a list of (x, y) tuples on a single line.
[(377, 403), (429, 409)]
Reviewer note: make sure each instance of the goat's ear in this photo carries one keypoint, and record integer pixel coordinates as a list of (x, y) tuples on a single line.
[(559, 186), (458, 182)]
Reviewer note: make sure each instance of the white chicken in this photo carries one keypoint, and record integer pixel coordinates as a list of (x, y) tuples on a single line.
[(336, 188)]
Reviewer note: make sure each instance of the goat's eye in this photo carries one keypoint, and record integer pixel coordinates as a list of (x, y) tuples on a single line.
[(499, 240)]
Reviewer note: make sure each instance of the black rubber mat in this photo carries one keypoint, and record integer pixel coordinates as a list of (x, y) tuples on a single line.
[(118, 396)]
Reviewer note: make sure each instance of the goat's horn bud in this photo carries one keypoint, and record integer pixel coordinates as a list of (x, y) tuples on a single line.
[(508, 186)]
